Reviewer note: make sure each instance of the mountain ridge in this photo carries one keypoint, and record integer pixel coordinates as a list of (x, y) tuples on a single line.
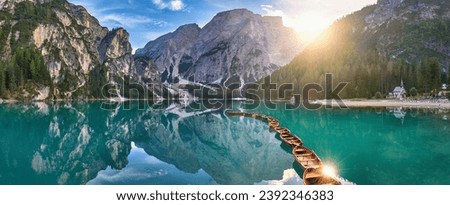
[(234, 44)]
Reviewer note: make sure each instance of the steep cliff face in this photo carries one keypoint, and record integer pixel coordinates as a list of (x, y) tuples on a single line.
[(116, 53), (235, 45), (168, 51), (72, 43)]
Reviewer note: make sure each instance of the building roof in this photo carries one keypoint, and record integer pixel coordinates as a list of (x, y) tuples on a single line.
[(398, 89)]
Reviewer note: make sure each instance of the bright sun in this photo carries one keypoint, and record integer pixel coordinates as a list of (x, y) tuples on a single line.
[(310, 24)]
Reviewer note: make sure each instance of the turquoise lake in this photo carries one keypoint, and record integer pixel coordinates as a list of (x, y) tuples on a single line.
[(168, 144)]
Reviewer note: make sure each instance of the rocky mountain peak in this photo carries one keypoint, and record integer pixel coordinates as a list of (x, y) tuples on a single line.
[(227, 23), (236, 44), (389, 2), (188, 28), (234, 13), (83, 16), (115, 44), (182, 36), (116, 52)]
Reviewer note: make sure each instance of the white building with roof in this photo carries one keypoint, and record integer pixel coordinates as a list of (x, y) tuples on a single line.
[(399, 92)]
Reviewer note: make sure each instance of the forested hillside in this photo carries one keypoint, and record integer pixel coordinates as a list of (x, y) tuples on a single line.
[(374, 49)]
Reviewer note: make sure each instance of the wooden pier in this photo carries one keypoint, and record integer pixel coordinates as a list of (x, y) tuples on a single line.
[(314, 170)]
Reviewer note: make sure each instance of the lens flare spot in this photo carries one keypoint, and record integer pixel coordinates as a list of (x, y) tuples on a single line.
[(329, 170)]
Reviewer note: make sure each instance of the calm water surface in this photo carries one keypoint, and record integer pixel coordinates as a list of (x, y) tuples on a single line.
[(81, 143)]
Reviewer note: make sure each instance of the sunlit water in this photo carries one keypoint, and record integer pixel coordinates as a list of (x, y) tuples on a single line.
[(81, 143)]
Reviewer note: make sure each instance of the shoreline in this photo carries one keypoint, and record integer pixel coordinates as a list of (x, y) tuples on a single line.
[(350, 103), (445, 104)]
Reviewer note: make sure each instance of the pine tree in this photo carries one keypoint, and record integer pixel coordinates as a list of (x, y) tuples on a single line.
[(10, 77), (423, 77), (434, 73), (448, 77), (33, 71), (2, 80), (97, 80), (413, 92)]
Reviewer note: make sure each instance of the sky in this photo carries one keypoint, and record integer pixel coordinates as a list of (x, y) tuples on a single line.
[(146, 20)]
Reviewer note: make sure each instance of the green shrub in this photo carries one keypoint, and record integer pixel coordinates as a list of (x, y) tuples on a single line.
[(378, 95), (413, 92)]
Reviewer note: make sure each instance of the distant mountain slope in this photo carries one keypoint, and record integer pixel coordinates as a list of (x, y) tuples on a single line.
[(235, 46), (376, 47)]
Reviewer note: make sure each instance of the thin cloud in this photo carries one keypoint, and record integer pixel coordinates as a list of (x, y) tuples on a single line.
[(128, 20), (174, 5), (270, 11), (267, 6), (108, 16)]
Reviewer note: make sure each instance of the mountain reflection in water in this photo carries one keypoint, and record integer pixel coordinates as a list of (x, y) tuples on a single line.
[(73, 143)]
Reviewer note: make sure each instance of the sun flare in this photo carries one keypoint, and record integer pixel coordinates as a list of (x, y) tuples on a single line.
[(329, 170), (310, 25)]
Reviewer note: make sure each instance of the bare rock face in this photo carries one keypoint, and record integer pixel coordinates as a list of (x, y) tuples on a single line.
[(388, 10), (385, 11), (396, 28), (235, 45), (116, 52), (73, 44), (167, 53)]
